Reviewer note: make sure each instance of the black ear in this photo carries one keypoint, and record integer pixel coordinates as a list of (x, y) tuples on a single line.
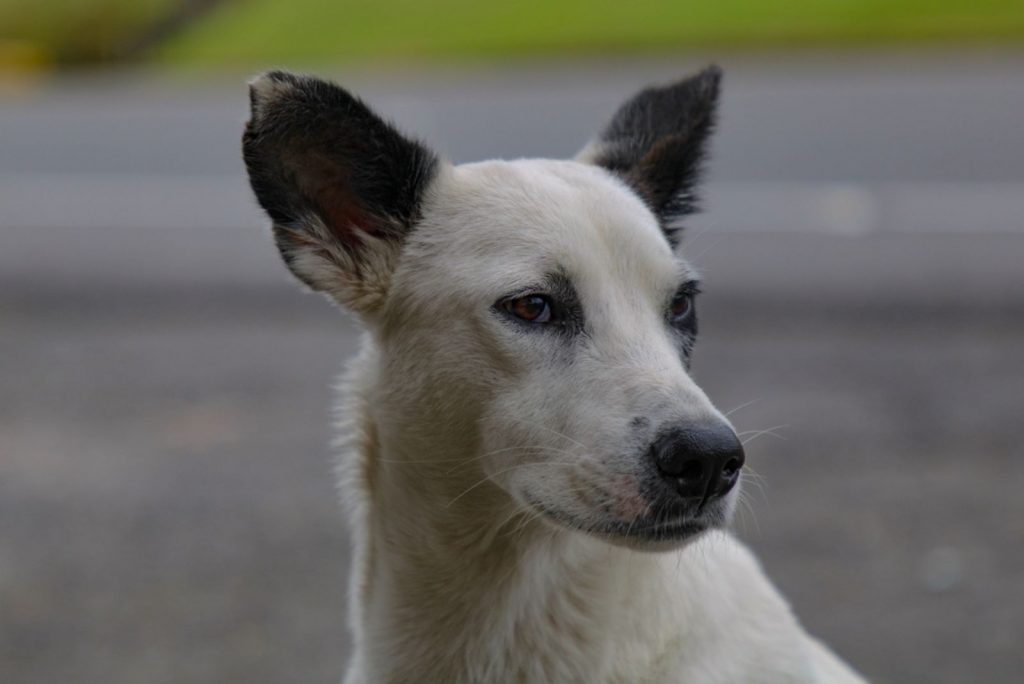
[(657, 141), (341, 186)]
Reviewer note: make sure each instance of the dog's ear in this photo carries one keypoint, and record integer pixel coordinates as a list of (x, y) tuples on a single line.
[(656, 143), (342, 187)]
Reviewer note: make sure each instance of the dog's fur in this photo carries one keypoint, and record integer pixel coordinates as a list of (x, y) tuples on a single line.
[(509, 522)]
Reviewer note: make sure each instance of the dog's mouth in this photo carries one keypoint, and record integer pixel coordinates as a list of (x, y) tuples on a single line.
[(656, 527), (656, 531)]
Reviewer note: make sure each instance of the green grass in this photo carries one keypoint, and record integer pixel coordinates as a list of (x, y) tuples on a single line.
[(253, 32), (248, 32), (74, 31)]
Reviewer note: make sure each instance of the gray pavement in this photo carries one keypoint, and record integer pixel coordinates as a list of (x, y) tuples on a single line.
[(166, 507)]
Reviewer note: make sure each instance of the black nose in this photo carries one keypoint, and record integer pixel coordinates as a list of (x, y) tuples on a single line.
[(701, 463)]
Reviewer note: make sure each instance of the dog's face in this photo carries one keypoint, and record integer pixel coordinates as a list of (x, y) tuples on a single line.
[(545, 301)]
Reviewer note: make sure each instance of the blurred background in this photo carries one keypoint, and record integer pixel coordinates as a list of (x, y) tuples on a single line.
[(167, 511)]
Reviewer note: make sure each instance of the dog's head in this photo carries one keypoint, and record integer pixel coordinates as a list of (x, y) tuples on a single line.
[(539, 311)]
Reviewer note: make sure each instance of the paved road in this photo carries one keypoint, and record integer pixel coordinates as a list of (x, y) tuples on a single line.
[(166, 509)]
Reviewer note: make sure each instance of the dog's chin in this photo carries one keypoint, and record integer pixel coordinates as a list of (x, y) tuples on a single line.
[(655, 532), (665, 537)]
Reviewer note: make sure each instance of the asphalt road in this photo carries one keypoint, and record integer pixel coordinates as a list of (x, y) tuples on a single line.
[(166, 506)]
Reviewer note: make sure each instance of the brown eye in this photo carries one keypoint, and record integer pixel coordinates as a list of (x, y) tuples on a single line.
[(682, 307), (531, 308)]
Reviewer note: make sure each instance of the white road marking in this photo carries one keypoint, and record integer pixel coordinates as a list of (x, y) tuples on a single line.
[(159, 202)]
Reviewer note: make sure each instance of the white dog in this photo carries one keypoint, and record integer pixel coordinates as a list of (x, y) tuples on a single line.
[(537, 488)]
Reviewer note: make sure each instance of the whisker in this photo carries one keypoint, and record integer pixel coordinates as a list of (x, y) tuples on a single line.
[(741, 407), (419, 461), (757, 433), (696, 257), (551, 430), (522, 449), (747, 512), (491, 477)]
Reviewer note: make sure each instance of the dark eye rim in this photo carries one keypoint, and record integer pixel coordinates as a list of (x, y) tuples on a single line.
[(688, 293), (506, 307)]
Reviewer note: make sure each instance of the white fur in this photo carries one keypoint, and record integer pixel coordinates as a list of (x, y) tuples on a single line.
[(455, 422)]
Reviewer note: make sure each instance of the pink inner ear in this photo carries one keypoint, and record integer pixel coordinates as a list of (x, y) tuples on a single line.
[(345, 215), (330, 187)]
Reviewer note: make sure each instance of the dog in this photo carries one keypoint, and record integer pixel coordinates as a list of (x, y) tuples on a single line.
[(538, 491)]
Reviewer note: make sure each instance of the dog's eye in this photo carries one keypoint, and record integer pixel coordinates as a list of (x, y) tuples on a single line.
[(530, 308), (681, 308)]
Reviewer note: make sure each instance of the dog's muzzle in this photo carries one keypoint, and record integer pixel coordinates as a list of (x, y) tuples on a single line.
[(700, 464)]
